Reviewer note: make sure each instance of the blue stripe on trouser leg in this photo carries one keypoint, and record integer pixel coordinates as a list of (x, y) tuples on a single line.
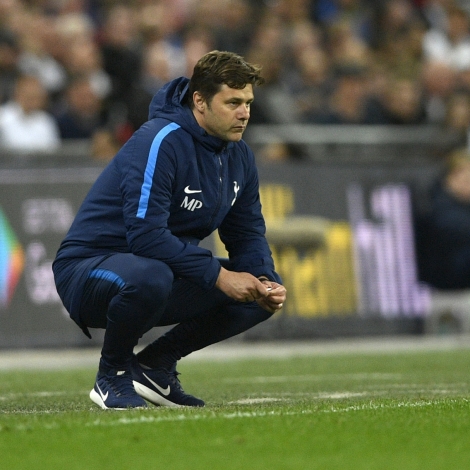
[(106, 275), (125, 294)]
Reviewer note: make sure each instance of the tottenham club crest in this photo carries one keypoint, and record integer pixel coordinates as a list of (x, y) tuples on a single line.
[(236, 188)]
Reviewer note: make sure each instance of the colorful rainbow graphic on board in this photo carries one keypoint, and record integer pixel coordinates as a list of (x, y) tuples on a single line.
[(11, 261)]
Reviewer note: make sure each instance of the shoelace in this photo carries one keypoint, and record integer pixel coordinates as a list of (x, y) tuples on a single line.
[(121, 384), (173, 376)]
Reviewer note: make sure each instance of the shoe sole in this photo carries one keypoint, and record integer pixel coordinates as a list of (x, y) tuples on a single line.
[(153, 397), (96, 398)]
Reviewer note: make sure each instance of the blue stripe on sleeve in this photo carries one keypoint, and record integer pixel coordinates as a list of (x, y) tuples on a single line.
[(150, 168)]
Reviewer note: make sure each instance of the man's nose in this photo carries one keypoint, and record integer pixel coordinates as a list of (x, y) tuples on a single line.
[(244, 112)]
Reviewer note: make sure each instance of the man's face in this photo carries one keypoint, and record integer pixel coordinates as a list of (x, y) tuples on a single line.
[(227, 114), (458, 182)]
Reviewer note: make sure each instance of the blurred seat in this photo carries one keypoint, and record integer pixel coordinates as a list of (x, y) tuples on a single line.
[(297, 231), (449, 312)]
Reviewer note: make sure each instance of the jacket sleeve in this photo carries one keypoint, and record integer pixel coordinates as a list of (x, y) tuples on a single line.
[(243, 229), (451, 220), (146, 186)]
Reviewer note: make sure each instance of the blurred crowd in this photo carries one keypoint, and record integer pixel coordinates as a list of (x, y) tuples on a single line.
[(87, 69)]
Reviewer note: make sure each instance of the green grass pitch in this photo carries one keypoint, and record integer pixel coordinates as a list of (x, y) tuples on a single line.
[(379, 410)]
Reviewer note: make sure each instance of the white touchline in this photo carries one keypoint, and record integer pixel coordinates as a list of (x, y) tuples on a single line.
[(313, 377), (262, 414)]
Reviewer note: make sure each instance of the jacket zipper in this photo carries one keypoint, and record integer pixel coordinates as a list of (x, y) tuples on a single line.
[(219, 192)]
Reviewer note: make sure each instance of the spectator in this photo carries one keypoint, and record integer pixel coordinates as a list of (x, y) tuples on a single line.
[(9, 64), (236, 27), (84, 58), (401, 103), (81, 113), (344, 46), (274, 103), (291, 11), (161, 20), (38, 33), (439, 80), (392, 18), (156, 71), (402, 51), (457, 118), (120, 50), (303, 35), (68, 28), (443, 232), (347, 101), (208, 14), (358, 13), (451, 46), (25, 126), (196, 43), (310, 81), (434, 12)]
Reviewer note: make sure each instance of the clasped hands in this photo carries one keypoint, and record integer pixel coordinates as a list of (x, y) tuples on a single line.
[(244, 287)]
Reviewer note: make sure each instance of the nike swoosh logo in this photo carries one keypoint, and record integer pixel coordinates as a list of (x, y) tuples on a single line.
[(192, 191), (103, 397), (163, 391)]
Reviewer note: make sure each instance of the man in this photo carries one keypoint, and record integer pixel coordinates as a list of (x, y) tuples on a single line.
[(25, 125), (131, 259), (443, 230)]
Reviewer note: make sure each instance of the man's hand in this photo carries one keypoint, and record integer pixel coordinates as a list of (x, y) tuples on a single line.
[(275, 298), (245, 287)]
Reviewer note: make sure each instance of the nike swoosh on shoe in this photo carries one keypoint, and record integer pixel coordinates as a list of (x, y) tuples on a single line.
[(164, 391), (104, 397)]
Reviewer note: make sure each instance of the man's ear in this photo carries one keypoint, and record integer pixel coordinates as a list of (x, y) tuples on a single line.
[(199, 102)]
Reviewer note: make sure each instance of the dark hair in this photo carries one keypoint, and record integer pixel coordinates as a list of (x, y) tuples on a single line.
[(217, 68)]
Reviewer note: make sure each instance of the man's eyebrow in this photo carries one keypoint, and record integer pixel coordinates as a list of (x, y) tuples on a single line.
[(240, 100)]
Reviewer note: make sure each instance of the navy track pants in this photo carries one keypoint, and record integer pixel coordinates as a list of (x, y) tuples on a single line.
[(128, 295)]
